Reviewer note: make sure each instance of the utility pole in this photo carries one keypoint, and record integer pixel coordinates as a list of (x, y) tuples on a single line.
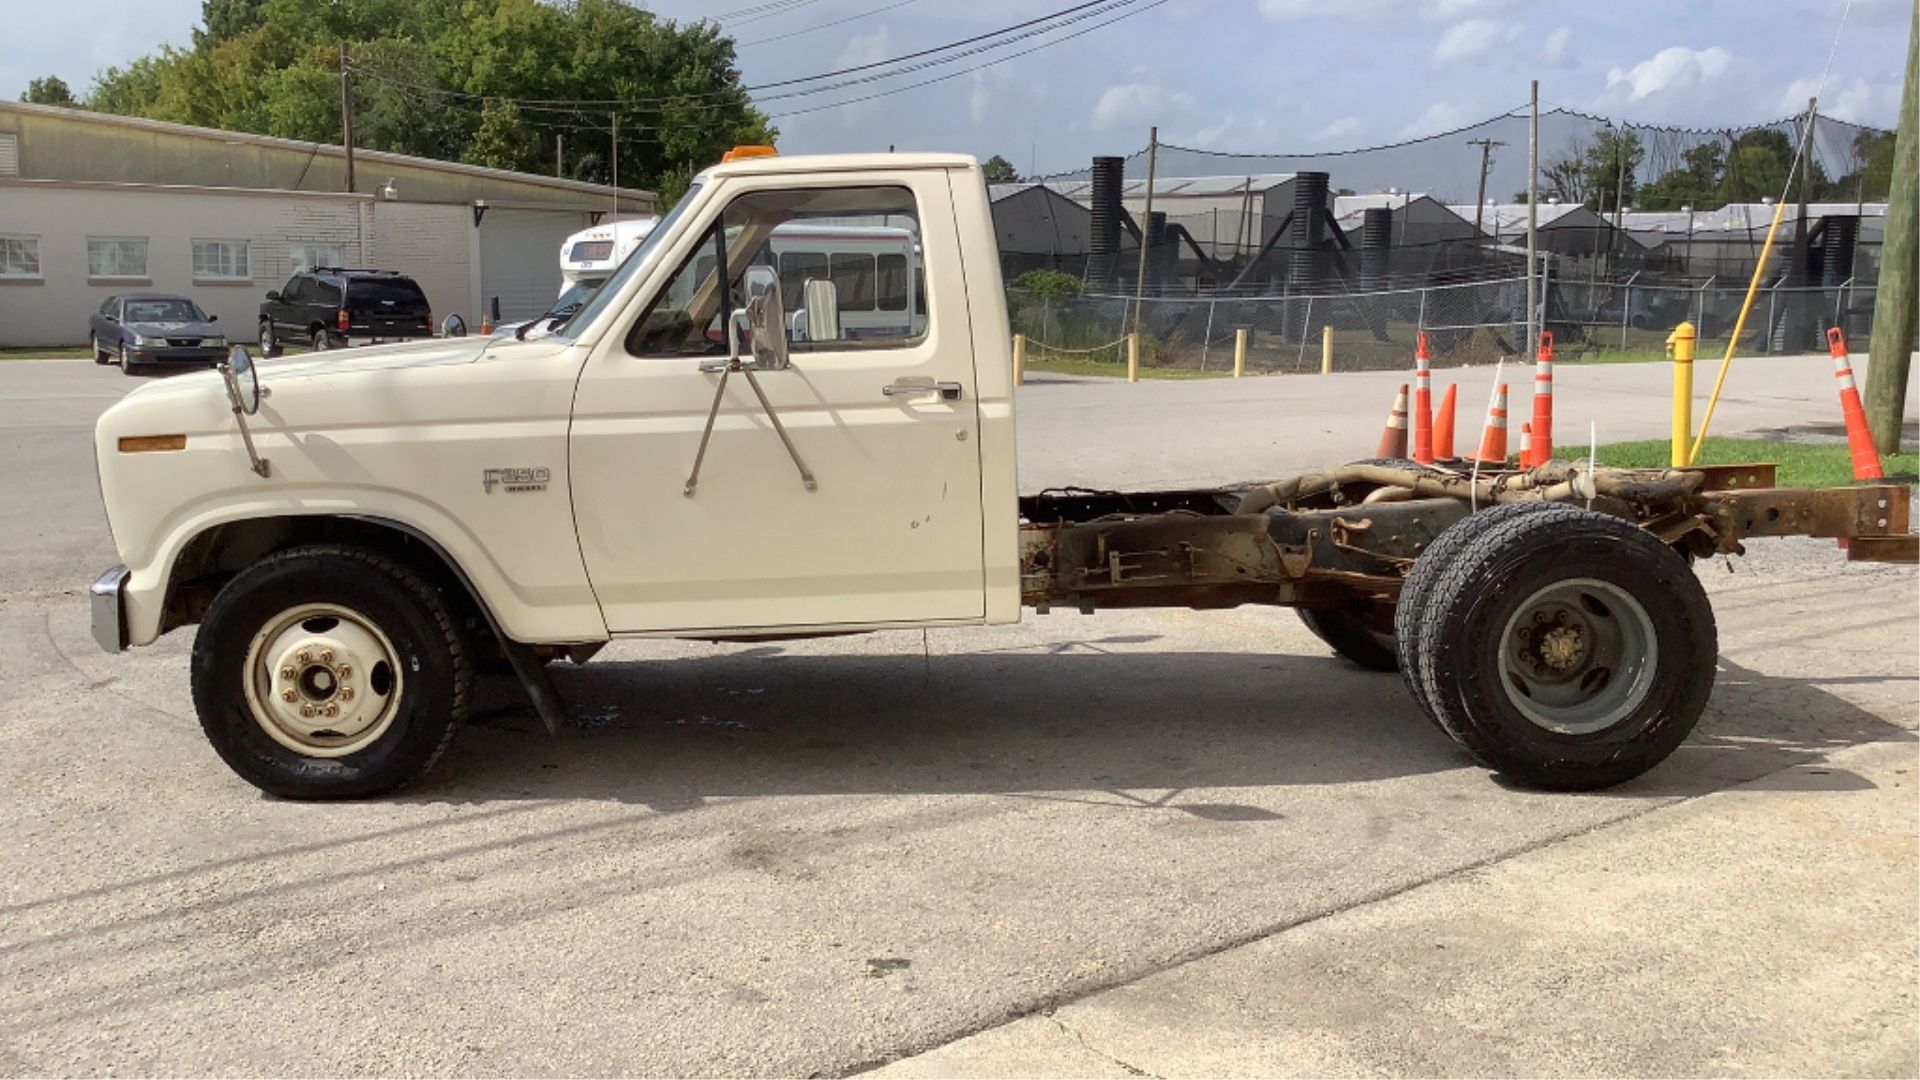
[(1896, 303), (1146, 224), (346, 112), (616, 166), (1486, 162), (1533, 219)]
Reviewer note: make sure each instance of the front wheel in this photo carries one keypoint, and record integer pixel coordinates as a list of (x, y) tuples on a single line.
[(100, 355), (269, 344), (125, 358), (1568, 649), (329, 672)]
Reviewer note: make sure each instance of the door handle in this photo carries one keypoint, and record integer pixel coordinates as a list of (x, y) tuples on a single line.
[(948, 391)]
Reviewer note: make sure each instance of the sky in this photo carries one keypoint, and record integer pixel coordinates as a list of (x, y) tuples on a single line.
[(1265, 76)]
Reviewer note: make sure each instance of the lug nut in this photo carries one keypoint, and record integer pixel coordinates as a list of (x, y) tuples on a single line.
[(1526, 634), (326, 656), (287, 673), (344, 671), (304, 656), (346, 693), (306, 711), (289, 695), (332, 710)]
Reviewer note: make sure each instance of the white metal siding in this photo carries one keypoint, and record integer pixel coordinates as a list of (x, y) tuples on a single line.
[(520, 258)]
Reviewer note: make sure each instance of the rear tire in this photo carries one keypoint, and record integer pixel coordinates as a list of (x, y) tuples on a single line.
[(1410, 616), (361, 640), (1358, 631), (1571, 650), (322, 341)]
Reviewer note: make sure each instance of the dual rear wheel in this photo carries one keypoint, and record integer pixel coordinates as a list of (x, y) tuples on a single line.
[(1563, 648)]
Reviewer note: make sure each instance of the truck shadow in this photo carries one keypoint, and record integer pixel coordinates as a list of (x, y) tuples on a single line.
[(1073, 723)]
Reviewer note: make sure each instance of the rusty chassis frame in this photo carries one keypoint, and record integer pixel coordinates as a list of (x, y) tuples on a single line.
[(1352, 533)]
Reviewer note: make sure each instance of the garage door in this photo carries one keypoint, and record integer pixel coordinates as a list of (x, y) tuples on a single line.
[(520, 258)]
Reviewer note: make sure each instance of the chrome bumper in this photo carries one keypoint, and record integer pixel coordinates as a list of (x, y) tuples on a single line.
[(108, 597)]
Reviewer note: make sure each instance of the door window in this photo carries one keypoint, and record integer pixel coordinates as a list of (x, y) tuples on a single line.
[(829, 235)]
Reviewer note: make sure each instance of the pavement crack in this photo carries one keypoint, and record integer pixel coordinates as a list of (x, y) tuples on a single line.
[(1132, 1069)]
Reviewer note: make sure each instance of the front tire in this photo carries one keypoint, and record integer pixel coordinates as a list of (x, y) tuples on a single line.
[(269, 344), (329, 672), (125, 358), (100, 355), (1572, 650)]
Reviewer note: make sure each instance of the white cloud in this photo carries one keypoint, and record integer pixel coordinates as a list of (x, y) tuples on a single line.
[(984, 93), (1138, 101), (1472, 40), (1338, 129), (1439, 116), (865, 49), (1856, 100), (1674, 69), (1431, 10), (1557, 50)]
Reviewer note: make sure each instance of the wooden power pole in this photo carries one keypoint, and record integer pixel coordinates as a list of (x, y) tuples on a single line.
[(1896, 303), (346, 112), (1486, 162)]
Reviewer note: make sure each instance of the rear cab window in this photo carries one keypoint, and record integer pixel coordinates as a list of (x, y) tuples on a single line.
[(386, 294)]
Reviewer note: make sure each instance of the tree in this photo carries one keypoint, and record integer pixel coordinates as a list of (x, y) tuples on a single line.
[(999, 170), (1591, 172), (1694, 183), (49, 90), (460, 80)]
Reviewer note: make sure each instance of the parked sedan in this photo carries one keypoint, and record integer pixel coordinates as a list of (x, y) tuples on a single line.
[(138, 330)]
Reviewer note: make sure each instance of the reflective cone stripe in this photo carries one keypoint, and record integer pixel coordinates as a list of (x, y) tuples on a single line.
[(1493, 438), (1393, 441), (1443, 426), (1422, 404), (1866, 460), (1540, 448)]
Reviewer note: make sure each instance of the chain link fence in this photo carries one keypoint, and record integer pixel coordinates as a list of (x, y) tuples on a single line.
[(1475, 322)]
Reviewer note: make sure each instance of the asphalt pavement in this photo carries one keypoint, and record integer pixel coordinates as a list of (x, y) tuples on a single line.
[(1165, 842)]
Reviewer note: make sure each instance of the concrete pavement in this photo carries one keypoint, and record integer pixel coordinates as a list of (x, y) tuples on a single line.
[(816, 857)]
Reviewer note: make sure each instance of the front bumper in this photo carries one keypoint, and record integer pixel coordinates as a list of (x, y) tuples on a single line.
[(108, 599), (207, 354)]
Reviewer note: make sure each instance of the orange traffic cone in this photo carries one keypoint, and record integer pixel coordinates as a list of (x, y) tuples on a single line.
[(1526, 446), (1540, 450), (1866, 460), (1422, 404), (1393, 441), (1443, 426), (1493, 439)]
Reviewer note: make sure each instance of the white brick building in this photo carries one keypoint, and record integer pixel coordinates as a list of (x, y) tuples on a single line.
[(92, 205)]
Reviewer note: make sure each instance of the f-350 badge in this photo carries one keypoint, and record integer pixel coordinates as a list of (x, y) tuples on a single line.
[(512, 480)]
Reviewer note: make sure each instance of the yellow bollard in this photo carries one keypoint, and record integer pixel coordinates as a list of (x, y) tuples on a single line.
[(1239, 352), (1019, 359), (1680, 345), (1133, 356), (1326, 350)]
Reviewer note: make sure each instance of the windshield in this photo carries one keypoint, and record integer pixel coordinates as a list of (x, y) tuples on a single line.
[(163, 311), (640, 257), (578, 293)]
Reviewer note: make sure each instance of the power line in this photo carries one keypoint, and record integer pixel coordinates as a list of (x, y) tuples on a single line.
[(825, 25)]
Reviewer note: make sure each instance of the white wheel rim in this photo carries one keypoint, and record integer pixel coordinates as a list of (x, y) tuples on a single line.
[(322, 680), (1578, 656)]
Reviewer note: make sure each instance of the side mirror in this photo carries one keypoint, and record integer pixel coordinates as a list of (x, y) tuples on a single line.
[(243, 380), (765, 320), (273, 294), (453, 326), (213, 318)]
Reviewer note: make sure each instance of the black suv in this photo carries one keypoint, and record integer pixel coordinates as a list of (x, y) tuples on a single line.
[(331, 307)]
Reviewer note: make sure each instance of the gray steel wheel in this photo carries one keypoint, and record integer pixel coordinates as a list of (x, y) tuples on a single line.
[(1578, 656)]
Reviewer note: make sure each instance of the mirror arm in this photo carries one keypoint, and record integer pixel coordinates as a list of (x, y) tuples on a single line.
[(706, 435), (260, 464)]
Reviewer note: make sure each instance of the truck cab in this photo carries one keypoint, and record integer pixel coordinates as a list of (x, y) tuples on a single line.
[(653, 466)]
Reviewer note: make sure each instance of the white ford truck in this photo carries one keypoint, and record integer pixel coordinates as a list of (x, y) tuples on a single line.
[(356, 533)]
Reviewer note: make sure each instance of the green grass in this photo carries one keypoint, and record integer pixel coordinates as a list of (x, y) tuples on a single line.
[(1077, 365), (1708, 352), (1801, 465), (45, 352)]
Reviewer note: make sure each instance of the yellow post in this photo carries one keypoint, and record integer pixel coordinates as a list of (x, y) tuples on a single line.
[(1019, 359), (1326, 350), (1239, 352), (1133, 356), (1680, 345)]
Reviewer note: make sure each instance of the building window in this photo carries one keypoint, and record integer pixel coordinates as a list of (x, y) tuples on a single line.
[(117, 256), (225, 259), (19, 257), (308, 256)]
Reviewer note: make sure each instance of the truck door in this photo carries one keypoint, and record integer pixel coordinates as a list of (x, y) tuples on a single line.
[(885, 423)]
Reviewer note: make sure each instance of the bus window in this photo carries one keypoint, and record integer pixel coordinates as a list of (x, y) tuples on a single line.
[(796, 267), (853, 278), (893, 283)]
